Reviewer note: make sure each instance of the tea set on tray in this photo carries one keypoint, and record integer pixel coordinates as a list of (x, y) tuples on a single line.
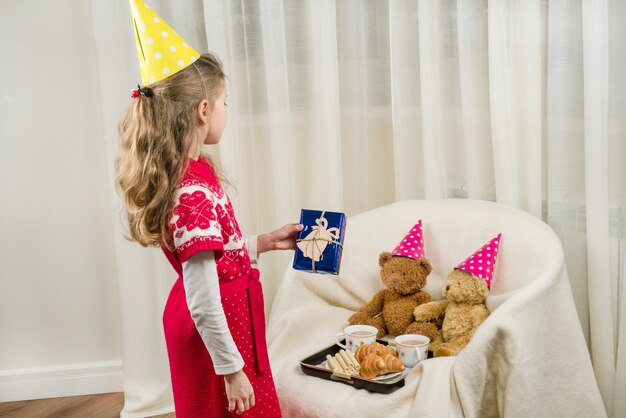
[(363, 356)]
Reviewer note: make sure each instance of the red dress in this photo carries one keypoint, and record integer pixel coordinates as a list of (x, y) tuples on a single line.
[(203, 219)]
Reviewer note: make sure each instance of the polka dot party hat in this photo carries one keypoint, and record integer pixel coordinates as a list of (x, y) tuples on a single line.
[(413, 244), (161, 51), (481, 263)]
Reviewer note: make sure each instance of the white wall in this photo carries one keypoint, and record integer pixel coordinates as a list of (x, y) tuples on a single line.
[(59, 313)]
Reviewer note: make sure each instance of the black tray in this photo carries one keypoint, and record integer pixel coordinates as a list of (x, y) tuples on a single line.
[(310, 366)]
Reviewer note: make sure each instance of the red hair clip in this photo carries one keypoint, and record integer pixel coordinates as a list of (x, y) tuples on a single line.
[(146, 91)]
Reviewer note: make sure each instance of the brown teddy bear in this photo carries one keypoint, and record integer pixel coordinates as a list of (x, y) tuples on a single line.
[(463, 308), (404, 272)]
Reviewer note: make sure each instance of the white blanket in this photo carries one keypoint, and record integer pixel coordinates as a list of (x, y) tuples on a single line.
[(528, 359)]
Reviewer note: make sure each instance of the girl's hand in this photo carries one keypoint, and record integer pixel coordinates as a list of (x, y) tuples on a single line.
[(281, 239), (239, 392)]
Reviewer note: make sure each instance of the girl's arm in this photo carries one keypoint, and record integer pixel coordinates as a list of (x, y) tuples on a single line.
[(205, 305), (281, 239)]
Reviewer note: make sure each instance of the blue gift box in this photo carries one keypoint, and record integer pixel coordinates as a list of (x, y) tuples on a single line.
[(320, 243)]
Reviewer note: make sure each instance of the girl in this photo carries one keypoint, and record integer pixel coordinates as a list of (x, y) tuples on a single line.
[(214, 317)]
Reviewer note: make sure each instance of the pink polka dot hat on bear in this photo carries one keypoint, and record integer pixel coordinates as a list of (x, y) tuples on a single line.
[(481, 263), (413, 244)]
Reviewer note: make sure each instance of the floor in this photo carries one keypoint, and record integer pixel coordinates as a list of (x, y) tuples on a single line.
[(89, 406)]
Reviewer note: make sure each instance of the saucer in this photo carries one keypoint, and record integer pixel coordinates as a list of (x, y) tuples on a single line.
[(389, 375)]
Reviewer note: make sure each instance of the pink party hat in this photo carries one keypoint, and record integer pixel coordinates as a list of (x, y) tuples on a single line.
[(413, 244), (482, 262)]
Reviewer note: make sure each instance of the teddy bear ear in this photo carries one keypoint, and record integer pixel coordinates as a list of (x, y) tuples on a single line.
[(384, 257), (480, 285), (426, 265)]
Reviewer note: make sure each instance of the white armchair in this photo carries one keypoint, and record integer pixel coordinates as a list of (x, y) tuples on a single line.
[(528, 359)]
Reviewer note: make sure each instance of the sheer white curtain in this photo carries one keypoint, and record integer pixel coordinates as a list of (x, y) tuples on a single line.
[(348, 105), (586, 191)]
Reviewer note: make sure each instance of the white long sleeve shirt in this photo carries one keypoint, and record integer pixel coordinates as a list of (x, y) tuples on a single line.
[(204, 301)]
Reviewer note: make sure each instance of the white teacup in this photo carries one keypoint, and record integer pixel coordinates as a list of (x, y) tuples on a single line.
[(412, 348), (356, 336)]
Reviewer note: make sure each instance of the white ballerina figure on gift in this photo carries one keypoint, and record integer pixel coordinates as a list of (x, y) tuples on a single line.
[(314, 244)]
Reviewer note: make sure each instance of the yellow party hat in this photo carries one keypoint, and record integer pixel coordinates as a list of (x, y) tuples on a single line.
[(161, 51)]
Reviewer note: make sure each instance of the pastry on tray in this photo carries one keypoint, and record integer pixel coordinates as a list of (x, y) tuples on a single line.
[(373, 348), (374, 365), (377, 359)]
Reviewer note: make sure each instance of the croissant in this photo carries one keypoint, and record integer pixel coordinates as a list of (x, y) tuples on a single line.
[(374, 365), (373, 348)]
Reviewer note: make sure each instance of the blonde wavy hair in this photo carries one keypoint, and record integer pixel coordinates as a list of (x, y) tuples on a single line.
[(156, 138)]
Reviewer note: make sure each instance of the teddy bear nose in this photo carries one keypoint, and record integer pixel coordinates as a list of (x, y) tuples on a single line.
[(447, 288), (395, 282)]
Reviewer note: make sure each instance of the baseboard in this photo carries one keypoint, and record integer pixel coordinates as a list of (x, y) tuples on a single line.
[(52, 382)]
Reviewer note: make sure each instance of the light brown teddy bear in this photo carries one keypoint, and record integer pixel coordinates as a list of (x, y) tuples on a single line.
[(404, 272), (463, 308)]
